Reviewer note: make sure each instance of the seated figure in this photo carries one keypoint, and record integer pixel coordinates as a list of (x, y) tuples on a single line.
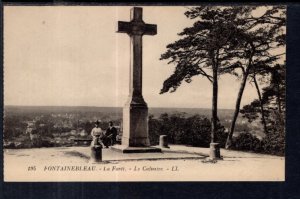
[(98, 135), (111, 134)]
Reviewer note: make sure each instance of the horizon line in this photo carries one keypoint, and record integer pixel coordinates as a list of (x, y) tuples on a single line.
[(108, 106)]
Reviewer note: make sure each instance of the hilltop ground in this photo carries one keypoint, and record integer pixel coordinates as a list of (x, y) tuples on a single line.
[(179, 163)]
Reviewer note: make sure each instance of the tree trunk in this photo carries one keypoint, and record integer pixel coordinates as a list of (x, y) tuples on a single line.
[(278, 98), (214, 104), (261, 106), (237, 109)]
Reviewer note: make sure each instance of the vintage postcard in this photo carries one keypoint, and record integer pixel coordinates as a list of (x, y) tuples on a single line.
[(144, 93)]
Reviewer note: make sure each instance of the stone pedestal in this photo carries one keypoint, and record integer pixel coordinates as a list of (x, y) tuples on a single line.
[(214, 153), (96, 153), (135, 138), (135, 126), (163, 141)]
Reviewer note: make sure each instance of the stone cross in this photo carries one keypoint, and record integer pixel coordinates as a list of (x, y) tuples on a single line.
[(136, 28), (135, 112)]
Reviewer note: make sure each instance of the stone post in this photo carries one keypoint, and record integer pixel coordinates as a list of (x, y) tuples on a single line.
[(214, 153), (96, 153), (163, 141)]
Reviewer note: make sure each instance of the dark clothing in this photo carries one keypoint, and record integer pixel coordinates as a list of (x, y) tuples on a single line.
[(111, 133)]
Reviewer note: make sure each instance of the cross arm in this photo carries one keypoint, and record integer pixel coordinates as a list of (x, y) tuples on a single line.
[(150, 29), (124, 27), (136, 28)]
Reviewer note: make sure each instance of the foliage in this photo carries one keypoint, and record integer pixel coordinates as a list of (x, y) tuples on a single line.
[(194, 130), (206, 49), (273, 102), (251, 111), (13, 127), (205, 46), (274, 142), (222, 40), (259, 37), (247, 142), (225, 38)]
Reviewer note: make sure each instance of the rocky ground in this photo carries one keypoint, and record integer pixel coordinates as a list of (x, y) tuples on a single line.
[(179, 163)]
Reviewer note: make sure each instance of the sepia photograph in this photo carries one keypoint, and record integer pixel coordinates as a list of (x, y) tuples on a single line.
[(144, 93)]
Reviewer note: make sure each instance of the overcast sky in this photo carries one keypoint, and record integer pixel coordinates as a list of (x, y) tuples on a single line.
[(72, 56)]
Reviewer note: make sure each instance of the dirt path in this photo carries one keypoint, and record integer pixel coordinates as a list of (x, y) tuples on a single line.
[(180, 164)]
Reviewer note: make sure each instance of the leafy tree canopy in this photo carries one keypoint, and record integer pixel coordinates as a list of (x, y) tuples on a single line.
[(224, 38)]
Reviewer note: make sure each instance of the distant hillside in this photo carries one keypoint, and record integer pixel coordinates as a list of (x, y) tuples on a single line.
[(117, 110), (60, 109), (68, 116), (190, 111)]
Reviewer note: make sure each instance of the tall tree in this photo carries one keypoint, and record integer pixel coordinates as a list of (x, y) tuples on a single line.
[(208, 49), (259, 37), (261, 105), (273, 101)]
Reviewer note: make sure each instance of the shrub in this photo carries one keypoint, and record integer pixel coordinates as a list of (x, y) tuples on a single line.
[(247, 142), (194, 130)]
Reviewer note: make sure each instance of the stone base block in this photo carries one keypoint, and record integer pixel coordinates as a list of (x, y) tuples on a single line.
[(214, 152), (96, 153), (163, 141), (136, 141), (135, 126), (127, 149)]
